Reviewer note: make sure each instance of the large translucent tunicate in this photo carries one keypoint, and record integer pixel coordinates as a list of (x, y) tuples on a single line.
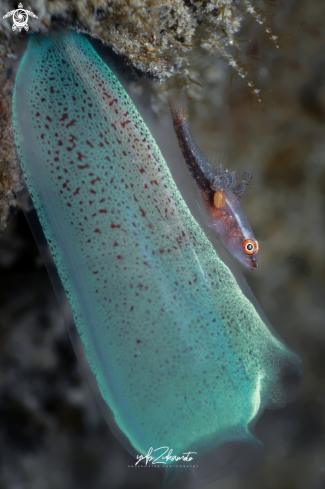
[(181, 356)]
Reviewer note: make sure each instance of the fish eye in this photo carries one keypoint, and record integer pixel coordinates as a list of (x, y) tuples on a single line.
[(250, 246)]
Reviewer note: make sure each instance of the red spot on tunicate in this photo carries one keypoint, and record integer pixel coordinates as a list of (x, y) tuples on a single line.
[(116, 111), (97, 179), (64, 117), (107, 158), (153, 181), (89, 143), (51, 90), (161, 251), (115, 226), (72, 140), (113, 126), (89, 115), (123, 124), (145, 185), (93, 191), (112, 102), (115, 244), (71, 123), (131, 308), (119, 257), (106, 95), (43, 99), (82, 167), (42, 136), (60, 143), (142, 212), (119, 142), (142, 170), (97, 230), (138, 341), (101, 200), (48, 118), (103, 211), (37, 115)]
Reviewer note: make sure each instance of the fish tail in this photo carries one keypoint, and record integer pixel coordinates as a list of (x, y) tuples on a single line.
[(179, 108)]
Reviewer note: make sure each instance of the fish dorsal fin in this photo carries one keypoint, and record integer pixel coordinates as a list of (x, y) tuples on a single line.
[(219, 158), (248, 190), (216, 157), (224, 177)]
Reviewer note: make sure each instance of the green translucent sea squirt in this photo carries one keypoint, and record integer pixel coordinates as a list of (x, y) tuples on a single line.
[(181, 356)]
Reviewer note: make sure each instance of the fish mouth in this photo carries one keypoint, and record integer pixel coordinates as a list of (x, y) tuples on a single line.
[(254, 264)]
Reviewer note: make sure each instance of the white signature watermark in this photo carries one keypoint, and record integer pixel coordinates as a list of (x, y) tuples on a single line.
[(162, 455), (20, 18)]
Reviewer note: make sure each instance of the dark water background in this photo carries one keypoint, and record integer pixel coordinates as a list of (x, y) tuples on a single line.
[(52, 434)]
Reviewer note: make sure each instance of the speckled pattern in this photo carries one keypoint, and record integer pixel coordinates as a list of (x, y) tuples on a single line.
[(180, 355)]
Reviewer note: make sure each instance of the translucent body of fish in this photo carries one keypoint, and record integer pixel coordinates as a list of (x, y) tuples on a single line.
[(219, 193), (181, 356)]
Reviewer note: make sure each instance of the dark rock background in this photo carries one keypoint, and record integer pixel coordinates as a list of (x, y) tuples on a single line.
[(52, 433)]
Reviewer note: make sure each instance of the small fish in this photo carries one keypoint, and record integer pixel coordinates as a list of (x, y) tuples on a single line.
[(219, 192)]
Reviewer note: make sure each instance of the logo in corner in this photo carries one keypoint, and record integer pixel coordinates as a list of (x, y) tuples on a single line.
[(20, 18)]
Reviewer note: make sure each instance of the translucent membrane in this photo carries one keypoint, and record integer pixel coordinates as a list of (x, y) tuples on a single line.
[(181, 356)]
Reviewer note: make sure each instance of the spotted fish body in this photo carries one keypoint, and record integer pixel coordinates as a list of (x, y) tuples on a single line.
[(180, 355)]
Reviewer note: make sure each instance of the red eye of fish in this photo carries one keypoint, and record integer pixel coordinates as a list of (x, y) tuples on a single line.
[(250, 246)]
